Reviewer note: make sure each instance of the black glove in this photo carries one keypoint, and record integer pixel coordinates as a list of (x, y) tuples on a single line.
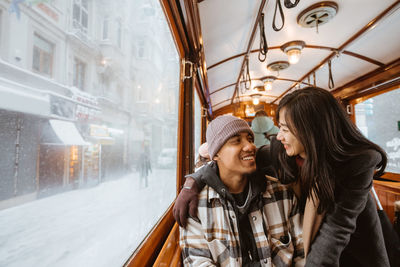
[(186, 200)]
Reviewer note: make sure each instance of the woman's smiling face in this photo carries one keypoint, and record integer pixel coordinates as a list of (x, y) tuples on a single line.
[(292, 145)]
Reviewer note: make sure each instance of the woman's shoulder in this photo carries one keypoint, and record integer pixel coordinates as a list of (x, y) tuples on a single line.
[(358, 171), (366, 159)]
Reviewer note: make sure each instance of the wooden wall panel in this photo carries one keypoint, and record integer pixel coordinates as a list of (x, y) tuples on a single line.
[(170, 252), (388, 193)]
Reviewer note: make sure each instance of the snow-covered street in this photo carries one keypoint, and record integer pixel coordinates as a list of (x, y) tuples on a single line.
[(98, 226)]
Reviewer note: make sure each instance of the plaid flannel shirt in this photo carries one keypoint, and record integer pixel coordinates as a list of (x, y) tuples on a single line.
[(214, 241)]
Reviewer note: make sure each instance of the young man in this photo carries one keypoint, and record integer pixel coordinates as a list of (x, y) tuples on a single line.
[(245, 219)]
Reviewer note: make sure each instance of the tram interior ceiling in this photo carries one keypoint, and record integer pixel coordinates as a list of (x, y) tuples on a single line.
[(104, 104), (313, 37)]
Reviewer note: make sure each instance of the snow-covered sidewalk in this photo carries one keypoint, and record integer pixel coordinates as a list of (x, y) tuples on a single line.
[(99, 226)]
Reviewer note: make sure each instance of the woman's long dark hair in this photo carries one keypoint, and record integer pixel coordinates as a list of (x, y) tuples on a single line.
[(329, 138)]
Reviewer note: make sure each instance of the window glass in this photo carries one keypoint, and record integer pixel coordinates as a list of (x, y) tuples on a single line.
[(79, 74), (43, 52), (85, 4), (105, 28), (378, 119), (84, 21), (119, 33), (141, 48), (197, 125), (76, 15), (80, 15), (1, 24), (88, 157)]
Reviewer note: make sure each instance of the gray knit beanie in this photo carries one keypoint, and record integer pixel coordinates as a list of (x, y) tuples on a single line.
[(221, 129)]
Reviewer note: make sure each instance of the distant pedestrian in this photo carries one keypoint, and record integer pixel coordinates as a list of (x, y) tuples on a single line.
[(144, 168)]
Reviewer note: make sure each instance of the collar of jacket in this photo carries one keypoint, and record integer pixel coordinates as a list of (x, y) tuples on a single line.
[(212, 179)]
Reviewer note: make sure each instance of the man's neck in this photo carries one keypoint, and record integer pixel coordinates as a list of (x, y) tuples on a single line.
[(234, 183)]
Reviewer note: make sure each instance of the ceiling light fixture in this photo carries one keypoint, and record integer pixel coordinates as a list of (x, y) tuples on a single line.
[(268, 82), (293, 50), (317, 14), (256, 99), (278, 66)]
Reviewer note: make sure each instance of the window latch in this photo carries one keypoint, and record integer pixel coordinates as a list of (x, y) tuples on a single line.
[(349, 109), (185, 63)]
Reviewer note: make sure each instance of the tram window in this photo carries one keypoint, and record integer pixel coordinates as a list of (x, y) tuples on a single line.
[(83, 179), (197, 125), (378, 119)]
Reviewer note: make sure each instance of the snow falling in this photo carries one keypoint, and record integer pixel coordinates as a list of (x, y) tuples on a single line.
[(98, 226)]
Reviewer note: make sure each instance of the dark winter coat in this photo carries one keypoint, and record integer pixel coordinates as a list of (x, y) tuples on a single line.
[(351, 233)]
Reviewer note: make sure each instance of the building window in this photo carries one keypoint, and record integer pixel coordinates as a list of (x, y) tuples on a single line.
[(119, 33), (80, 15), (43, 53), (79, 71), (106, 25), (141, 49)]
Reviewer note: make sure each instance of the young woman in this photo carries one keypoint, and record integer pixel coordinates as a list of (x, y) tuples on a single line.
[(332, 164)]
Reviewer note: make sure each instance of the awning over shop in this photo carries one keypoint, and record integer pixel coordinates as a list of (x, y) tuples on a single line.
[(23, 101), (62, 133)]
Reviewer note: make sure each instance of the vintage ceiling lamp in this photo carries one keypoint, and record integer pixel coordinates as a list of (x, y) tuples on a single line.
[(293, 50), (268, 82), (256, 99)]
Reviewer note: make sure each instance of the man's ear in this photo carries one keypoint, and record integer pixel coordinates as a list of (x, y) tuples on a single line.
[(215, 157)]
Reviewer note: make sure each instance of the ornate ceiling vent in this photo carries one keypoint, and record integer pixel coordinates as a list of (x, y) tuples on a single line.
[(278, 66), (317, 14)]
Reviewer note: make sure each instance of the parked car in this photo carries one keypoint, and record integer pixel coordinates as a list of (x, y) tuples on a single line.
[(167, 158)]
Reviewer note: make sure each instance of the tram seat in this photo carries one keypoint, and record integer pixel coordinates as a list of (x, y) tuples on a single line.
[(170, 254)]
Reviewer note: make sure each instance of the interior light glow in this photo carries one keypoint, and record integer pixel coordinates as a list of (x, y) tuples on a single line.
[(293, 50), (268, 85), (293, 55)]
